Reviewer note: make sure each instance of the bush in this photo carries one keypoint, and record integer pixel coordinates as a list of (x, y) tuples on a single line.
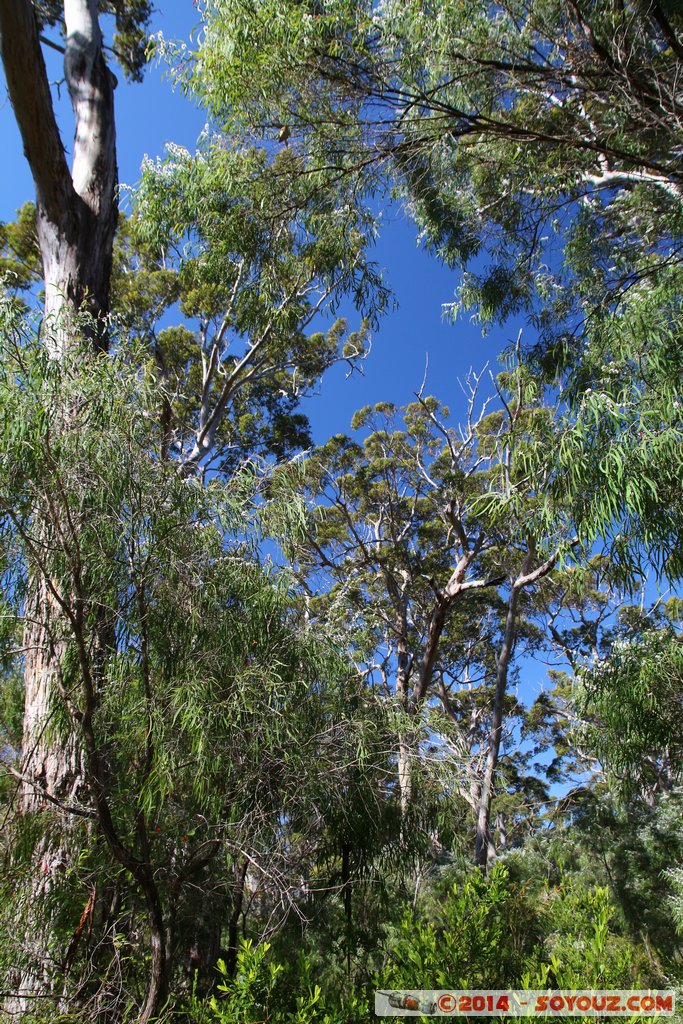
[(485, 932)]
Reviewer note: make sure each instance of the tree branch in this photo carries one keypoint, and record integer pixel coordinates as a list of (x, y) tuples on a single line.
[(81, 812), (29, 91)]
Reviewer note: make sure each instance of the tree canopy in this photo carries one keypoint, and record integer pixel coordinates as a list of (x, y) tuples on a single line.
[(535, 145), (284, 725)]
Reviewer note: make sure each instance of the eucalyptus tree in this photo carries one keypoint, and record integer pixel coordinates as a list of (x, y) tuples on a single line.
[(374, 517), (214, 727), (248, 342), (77, 206), (541, 140), (425, 538), (256, 268), (76, 222), (76, 213), (228, 297), (613, 704), (491, 119)]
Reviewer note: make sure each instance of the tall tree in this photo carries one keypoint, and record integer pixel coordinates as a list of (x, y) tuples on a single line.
[(77, 206), (540, 138), (425, 536), (76, 222), (251, 287)]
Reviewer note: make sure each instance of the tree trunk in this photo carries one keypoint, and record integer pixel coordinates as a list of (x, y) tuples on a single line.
[(76, 215), (49, 770), (484, 849), (412, 703), (76, 222), (160, 943), (77, 209), (405, 753)]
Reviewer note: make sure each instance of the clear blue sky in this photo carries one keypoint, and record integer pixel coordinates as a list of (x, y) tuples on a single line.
[(151, 114)]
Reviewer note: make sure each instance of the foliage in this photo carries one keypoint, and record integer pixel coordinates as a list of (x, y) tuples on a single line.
[(422, 536), (202, 700), (535, 144), (631, 700), (279, 769), (130, 38), (468, 103), (483, 933), (593, 841), (620, 462), (20, 260), (477, 934), (253, 268), (264, 991)]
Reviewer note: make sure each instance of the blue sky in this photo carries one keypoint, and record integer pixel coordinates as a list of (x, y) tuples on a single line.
[(152, 114)]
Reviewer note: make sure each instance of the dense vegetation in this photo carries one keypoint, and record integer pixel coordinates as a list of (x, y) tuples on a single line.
[(266, 745)]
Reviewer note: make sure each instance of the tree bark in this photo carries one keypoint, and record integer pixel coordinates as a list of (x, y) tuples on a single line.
[(160, 943), (484, 847), (404, 762), (77, 215), (77, 209), (413, 702), (76, 222)]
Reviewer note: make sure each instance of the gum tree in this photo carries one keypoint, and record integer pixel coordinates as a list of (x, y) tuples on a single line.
[(541, 139), (424, 537), (490, 119), (77, 205), (76, 213), (245, 356)]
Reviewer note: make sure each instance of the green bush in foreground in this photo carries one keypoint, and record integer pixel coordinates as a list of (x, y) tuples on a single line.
[(485, 933)]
